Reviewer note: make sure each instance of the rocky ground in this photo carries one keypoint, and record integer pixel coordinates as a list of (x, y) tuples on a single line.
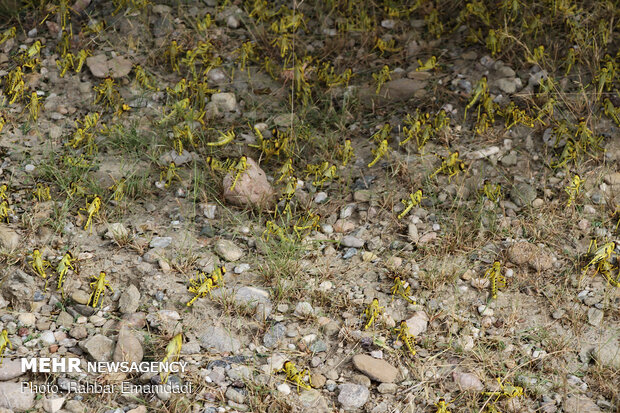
[(553, 330)]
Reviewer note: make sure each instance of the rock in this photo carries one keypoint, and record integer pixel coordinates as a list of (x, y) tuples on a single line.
[(78, 332), (160, 242), (64, 319), (608, 353), (12, 397), (27, 319), (174, 156), (412, 232), (304, 309), (320, 197), (99, 347), (312, 401), (10, 369), (216, 339), (251, 296), (418, 323), (361, 379), (399, 90), (509, 159), (274, 335), (130, 300), (235, 395), (117, 231), (75, 406), (352, 242), (18, 288), (522, 194), (228, 250), (232, 22), (252, 187), (318, 380), (376, 369), (47, 338), (595, 316), (536, 257), (579, 404), (224, 101), (483, 153), (612, 179), (128, 347), (53, 405), (284, 388), (467, 381), (352, 396), (9, 239), (100, 66), (80, 297), (508, 85), (387, 388)]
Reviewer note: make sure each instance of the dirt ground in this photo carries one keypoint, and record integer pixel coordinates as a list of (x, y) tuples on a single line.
[(320, 206)]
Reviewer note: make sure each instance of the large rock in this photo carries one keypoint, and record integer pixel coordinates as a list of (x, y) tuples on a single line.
[(100, 66), (130, 300), (352, 396), (10, 369), (9, 239), (228, 250), (397, 90), (18, 287), (377, 369), (128, 347), (218, 340), (252, 187), (418, 323), (537, 258), (12, 397), (99, 347)]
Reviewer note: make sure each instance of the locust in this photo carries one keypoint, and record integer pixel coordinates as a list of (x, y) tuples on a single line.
[(380, 151), (295, 376), (168, 174), (238, 170), (506, 390), (63, 267), (402, 290), (573, 189), (372, 312), (494, 274), (478, 93), (4, 343), (346, 152), (200, 287), (414, 200), (308, 223), (274, 229), (600, 254), (92, 209), (38, 264), (491, 191), (430, 64), (173, 351), (5, 211), (405, 336), (42, 193), (451, 165), (98, 287), (442, 406), (382, 77)]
